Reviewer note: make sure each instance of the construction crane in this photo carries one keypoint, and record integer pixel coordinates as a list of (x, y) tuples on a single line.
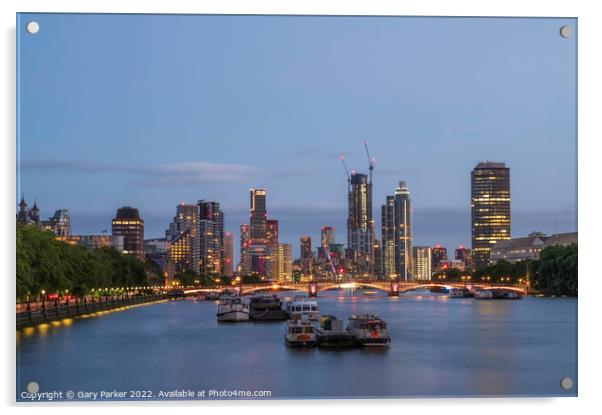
[(332, 267), (370, 160), (342, 157)]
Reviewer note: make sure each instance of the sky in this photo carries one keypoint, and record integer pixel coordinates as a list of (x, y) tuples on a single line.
[(154, 110)]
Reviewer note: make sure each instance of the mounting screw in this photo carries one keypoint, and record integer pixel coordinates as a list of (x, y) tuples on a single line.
[(33, 27), (566, 383), (565, 31)]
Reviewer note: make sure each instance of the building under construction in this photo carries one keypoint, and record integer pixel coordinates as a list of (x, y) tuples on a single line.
[(360, 222)]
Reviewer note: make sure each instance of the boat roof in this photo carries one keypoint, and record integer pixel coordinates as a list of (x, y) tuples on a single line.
[(365, 317)]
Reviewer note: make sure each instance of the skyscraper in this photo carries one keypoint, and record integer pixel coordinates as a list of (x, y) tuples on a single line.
[(209, 243), (228, 255), (306, 255), (397, 234), (258, 216), (490, 209), (403, 232), (182, 238), (129, 224), (245, 243), (388, 237), (360, 224), (421, 263), (272, 248), (284, 262), (257, 252)]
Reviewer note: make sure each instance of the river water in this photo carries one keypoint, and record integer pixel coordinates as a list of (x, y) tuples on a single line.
[(440, 347)]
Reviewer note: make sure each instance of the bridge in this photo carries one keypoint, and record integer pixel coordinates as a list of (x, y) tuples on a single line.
[(392, 288)]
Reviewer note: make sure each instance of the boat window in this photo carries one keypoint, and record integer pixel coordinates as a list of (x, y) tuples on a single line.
[(309, 329), (305, 308), (314, 308), (297, 330)]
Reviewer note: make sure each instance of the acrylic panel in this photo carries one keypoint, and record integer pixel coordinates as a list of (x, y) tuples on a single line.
[(295, 207)]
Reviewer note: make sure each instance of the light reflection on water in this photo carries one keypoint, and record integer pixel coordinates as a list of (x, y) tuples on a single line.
[(440, 346)]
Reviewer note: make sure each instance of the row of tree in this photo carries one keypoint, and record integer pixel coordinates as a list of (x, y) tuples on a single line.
[(46, 264), (554, 273)]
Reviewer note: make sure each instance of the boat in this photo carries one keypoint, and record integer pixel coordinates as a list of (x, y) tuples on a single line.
[(506, 295), (211, 296), (331, 334), (232, 309), (227, 293), (301, 306), (483, 295), (300, 333), (459, 293), (369, 330), (266, 307)]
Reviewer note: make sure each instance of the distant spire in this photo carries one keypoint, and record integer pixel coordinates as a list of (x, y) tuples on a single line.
[(22, 204)]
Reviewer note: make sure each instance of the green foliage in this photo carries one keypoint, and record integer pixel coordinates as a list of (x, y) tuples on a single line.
[(556, 270), (251, 279), (44, 263)]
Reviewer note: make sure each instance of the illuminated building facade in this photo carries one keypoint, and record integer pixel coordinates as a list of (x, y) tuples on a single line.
[(94, 241), (129, 224), (529, 247), (228, 255), (59, 223), (388, 238), (421, 263), (208, 245), (360, 224), (245, 243), (272, 269), (463, 254), (490, 209), (438, 254), (257, 252), (181, 238), (180, 252), (284, 262), (306, 255), (397, 234)]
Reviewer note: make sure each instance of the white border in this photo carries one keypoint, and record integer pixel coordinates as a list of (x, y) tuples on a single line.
[(590, 68)]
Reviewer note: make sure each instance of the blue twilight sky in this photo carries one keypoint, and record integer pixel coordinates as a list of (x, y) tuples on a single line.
[(152, 110)]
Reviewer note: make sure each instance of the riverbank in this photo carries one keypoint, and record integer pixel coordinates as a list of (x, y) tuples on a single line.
[(49, 314)]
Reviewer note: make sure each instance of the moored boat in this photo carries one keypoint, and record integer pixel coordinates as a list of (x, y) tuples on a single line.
[(232, 309), (300, 333), (369, 330), (302, 306), (483, 295), (266, 307), (459, 293), (331, 334)]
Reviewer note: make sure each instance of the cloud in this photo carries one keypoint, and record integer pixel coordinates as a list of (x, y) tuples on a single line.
[(191, 173), (179, 174)]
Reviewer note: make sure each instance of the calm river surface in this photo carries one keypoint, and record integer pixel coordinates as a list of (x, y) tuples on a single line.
[(440, 347)]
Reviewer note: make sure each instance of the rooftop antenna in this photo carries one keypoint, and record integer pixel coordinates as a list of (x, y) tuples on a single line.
[(370, 161)]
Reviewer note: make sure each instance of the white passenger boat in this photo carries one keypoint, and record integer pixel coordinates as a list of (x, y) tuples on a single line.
[(369, 330), (302, 306), (300, 333), (232, 309)]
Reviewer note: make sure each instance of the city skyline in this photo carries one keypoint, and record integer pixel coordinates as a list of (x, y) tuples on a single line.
[(296, 109)]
